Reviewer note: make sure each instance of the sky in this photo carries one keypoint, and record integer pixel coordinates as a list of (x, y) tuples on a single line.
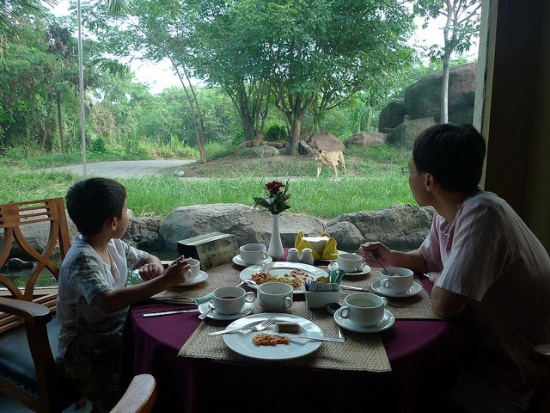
[(159, 76)]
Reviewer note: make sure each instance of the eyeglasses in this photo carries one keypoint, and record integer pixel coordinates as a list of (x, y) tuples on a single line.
[(405, 171)]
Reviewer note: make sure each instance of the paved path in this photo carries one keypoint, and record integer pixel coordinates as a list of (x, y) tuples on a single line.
[(123, 169)]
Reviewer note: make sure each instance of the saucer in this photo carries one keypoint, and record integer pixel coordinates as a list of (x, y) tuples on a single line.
[(346, 323), (197, 280), (247, 309), (365, 269), (415, 289), (238, 260)]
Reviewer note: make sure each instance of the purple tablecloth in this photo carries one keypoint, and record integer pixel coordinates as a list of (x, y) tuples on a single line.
[(423, 355)]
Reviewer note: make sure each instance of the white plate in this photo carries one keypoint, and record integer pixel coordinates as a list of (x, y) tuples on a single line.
[(346, 323), (280, 268), (365, 269), (415, 289), (247, 309), (241, 343), (239, 261), (197, 280)]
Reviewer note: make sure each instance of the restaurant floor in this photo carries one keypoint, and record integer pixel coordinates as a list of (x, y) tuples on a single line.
[(7, 405)]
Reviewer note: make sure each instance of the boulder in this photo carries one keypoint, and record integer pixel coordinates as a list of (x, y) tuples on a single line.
[(392, 115), (406, 133), (423, 98), (366, 139), (144, 233), (401, 227), (264, 151), (326, 141), (246, 223)]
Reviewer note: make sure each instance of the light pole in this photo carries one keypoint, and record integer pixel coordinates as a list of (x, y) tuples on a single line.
[(81, 86)]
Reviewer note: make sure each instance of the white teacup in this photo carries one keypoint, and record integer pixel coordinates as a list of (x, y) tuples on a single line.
[(275, 297), (231, 300), (252, 254), (195, 269), (364, 309), (350, 262), (397, 281)]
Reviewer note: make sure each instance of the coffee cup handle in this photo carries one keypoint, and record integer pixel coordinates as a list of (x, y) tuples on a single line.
[(265, 255), (385, 301), (249, 297), (288, 302), (344, 312), (386, 284)]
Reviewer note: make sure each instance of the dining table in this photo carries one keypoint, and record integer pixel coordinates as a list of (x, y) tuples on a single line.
[(404, 368)]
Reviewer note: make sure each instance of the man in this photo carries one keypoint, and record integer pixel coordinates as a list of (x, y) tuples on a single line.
[(486, 262)]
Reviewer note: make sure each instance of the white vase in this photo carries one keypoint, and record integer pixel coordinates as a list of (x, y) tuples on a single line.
[(275, 250)]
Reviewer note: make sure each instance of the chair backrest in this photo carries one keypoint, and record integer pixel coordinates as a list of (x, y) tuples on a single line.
[(139, 397), (540, 402), (14, 216)]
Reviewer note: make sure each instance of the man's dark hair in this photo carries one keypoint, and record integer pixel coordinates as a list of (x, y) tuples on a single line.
[(93, 201), (453, 154)]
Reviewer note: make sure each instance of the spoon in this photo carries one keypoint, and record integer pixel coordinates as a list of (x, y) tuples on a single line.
[(210, 308), (376, 259)]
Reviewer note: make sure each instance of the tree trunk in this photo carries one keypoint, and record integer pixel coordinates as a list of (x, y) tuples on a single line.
[(60, 125), (444, 111)]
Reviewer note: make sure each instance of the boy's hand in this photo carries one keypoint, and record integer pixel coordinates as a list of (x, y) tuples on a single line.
[(178, 271), (151, 270)]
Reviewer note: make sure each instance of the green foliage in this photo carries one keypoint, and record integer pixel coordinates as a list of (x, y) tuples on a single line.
[(98, 145), (276, 132)]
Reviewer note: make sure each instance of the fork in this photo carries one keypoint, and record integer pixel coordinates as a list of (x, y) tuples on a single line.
[(264, 324)]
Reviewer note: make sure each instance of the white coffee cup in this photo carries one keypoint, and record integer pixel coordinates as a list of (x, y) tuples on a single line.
[(350, 262), (397, 281), (275, 296), (363, 309), (231, 300), (252, 254), (195, 269)]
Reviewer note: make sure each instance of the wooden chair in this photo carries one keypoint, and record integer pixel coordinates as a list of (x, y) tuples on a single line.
[(540, 402), (140, 396), (28, 371)]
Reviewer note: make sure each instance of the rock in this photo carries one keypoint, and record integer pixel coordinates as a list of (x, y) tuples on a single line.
[(406, 133), (392, 115), (143, 233), (423, 98), (179, 173), (17, 264), (246, 223), (263, 151), (366, 139), (326, 141), (401, 227)]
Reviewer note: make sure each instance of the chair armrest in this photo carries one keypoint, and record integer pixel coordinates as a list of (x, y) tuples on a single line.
[(33, 313), (140, 396), (541, 355)]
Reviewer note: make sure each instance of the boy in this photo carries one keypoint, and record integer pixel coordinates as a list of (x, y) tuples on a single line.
[(484, 261), (93, 297)]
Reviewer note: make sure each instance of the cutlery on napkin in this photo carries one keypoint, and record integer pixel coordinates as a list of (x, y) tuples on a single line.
[(194, 310)]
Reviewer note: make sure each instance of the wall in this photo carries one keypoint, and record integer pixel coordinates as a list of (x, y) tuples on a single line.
[(516, 108)]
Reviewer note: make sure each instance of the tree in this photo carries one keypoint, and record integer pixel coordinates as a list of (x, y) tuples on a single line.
[(461, 27), (155, 31), (308, 54)]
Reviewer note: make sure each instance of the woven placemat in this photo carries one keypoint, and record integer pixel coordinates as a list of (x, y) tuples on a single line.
[(220, 276), (363, 352), (417, 307)]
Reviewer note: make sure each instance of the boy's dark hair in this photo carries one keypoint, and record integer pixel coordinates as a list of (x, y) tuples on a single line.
[(453, 154), (93, 201)]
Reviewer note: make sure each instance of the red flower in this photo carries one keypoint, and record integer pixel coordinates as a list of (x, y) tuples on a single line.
[(274, 187)]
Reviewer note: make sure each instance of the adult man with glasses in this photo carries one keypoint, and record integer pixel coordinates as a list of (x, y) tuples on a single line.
[(487, 264)]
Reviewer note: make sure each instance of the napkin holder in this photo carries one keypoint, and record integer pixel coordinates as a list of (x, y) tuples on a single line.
[(212, 249), (320, 299)]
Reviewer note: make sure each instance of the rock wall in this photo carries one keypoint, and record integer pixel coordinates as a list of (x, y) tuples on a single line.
[(402, 227)]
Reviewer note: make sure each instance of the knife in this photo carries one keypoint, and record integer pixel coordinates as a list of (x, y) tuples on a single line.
[(194, 310), (330, 339), (219, 333)]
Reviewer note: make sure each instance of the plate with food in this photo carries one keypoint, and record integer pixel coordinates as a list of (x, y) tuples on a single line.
[(293, 273), (272, 343)]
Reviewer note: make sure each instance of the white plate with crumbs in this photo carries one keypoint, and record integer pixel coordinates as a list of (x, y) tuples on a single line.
[(241, 342)]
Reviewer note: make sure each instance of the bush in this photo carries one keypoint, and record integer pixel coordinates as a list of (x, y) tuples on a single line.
[(276, 132)]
